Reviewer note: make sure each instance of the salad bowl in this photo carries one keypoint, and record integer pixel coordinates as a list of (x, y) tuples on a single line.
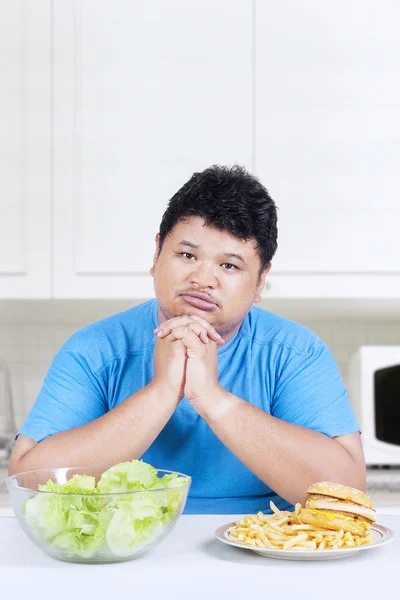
[(98, 514)]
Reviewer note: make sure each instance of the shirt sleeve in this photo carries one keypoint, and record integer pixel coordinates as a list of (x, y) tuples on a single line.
[(71, 396), (310, 393)]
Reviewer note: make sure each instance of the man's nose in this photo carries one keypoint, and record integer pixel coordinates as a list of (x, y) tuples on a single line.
[(204, 275)]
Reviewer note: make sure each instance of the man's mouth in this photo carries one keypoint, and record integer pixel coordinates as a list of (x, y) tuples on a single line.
[(201, 301)]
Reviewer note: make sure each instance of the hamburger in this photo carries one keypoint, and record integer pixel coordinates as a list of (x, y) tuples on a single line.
[(334, 506)]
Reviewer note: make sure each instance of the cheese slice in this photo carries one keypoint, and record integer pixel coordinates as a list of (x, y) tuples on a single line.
[(336, 505)]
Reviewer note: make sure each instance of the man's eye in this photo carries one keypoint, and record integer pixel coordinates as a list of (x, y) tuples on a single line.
[(187, 255), (229, 266)]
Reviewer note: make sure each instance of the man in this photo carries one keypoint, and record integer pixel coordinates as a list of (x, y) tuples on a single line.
[(250, 404)]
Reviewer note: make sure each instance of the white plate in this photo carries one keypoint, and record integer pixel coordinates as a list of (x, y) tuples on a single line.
[(380, 535)]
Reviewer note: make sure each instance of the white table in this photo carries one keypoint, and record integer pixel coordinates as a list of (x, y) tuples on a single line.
[(191, 564)]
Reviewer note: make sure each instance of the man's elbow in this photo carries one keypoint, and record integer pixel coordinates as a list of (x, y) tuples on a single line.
[(349, 468), (352, 475), (16, 465), (18, 460)]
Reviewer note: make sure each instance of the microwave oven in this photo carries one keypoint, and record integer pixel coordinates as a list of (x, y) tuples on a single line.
[(374, 393)]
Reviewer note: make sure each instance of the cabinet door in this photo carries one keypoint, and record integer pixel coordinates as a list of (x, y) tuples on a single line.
[(25, 149), (145, 93), (328, 135)]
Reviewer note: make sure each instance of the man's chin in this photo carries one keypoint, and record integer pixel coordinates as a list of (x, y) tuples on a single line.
[(193, 310), (172, 312)]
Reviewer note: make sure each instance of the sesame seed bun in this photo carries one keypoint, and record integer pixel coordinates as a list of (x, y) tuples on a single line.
[(341, 492)]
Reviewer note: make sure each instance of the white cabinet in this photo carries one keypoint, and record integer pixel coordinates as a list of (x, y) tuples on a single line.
[(108, 108), (145, 93), (328, 144), (25, 212)]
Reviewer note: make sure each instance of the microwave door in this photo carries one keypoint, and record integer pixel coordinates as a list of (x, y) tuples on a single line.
[(387, 404)]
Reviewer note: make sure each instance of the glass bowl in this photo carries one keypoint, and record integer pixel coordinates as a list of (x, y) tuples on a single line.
[(94, 528)]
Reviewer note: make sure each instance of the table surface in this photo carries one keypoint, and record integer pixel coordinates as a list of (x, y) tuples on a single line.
[(192, 564)]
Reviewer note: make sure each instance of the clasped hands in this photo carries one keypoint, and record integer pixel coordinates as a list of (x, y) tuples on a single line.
[(186, 360)]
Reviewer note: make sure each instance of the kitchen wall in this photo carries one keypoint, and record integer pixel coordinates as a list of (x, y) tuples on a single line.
[(32, 332)]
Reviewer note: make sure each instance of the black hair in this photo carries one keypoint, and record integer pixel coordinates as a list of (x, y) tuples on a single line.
[(227, 198)]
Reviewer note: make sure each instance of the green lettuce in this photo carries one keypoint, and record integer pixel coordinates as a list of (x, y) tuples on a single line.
[(127, 477), (75, 517), (169, 499), (133, 525)]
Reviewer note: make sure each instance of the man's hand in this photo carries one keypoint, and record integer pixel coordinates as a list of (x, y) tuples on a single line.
[(200, 326), (170, 359), (200, 341)]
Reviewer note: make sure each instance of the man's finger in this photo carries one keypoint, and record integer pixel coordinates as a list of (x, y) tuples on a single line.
[(168, 325), (182, 320), (203, 332), (214, 335), (195, 327), (190, 339)]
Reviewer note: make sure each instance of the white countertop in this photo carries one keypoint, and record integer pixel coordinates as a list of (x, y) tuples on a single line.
[(191, 564)]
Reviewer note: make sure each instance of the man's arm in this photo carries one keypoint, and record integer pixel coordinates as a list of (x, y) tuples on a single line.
[(122, 434), (286, 457), (71, 437)]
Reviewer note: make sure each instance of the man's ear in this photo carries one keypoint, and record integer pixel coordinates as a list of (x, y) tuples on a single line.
[(261, 283), (156, 253)]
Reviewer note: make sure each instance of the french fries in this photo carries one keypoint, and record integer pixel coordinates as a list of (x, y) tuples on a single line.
[(284, 530)]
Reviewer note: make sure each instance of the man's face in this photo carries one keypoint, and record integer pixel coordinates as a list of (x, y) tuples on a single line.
[(206, 272)]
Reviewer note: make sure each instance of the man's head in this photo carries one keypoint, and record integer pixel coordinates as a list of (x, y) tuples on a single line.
[(217, 239)]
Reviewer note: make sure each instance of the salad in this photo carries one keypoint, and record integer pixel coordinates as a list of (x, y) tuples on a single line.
[(80, 520)]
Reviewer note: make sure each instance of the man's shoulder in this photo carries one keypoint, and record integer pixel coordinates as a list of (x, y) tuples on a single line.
[(126, 331), (269, 328)]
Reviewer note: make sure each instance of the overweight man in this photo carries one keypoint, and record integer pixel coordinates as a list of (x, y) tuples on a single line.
[(199, 380)]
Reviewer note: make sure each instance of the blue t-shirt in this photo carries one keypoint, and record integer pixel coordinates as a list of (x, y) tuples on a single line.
[(275, 364)]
